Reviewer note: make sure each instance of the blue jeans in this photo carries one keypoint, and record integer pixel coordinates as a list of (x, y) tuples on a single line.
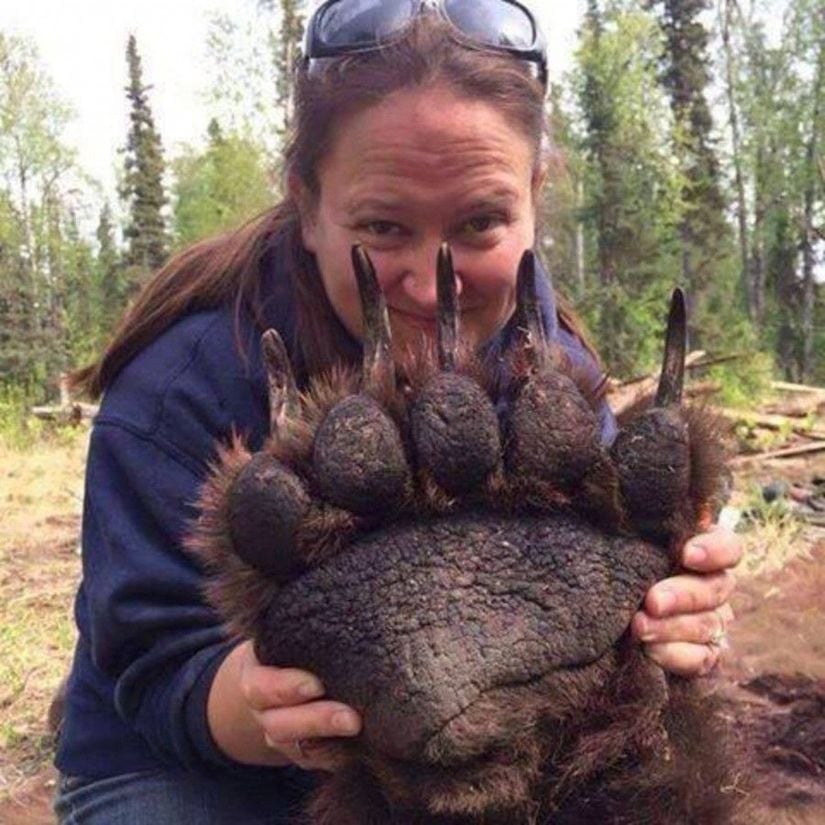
[(169, 798)]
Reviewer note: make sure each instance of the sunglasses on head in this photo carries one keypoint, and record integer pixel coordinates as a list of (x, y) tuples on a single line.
[(340, 27)]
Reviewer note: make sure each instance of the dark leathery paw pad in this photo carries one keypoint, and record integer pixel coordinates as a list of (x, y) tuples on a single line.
[(428, 618), (456, 433), (553, 432), (267, 503), (359, 458)]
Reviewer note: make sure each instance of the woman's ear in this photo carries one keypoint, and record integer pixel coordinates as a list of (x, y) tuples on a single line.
[(306, 203)]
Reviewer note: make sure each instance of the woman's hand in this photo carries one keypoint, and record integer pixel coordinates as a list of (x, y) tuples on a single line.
[(275, 716), (685, 617)]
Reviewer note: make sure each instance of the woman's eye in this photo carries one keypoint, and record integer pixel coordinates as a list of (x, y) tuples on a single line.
[(480, 224), (381, 228)]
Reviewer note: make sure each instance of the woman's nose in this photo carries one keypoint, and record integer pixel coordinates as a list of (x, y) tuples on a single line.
[(419, 283)]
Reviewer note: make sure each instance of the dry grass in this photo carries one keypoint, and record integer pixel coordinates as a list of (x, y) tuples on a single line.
[(41, 495), (773, 536)]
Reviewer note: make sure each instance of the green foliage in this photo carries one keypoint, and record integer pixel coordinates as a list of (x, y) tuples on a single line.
[(44, 264), (244, 89), (779, 95), (745, 382), (18, 430), (771, 531), (631, 204), (638, 322), (219, 188), (111, 285), (287, 52), (819, 344), (704, 234), (142, 186), (641, 193)]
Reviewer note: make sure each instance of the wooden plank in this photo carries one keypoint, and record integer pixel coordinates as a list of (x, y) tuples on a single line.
[(653, 377), (800, 449), (719, 359), (72, 413), (623, 395), (771, 422), (786, 386)]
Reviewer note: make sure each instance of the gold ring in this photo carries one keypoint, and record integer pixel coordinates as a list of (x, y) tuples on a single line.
[(719, 637)]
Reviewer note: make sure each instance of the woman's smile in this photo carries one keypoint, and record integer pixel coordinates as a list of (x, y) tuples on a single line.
[(424, 323)]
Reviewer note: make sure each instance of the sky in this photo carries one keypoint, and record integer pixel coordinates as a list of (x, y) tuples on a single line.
[(82, 45)]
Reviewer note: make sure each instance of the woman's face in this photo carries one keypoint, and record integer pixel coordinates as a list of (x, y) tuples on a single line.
[(420, 168)]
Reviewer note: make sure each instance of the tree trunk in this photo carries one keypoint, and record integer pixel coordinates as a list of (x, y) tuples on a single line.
[(748, 285), (580, 284), (758, 274), (808, 230)]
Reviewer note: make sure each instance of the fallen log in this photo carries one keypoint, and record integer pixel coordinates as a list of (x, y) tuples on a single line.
[(772, 422), (622, 395), (787, 452), (73, 413), (797, 406), (787, 386), (652, 377), (718, 359), (66, 411), (796, 400)]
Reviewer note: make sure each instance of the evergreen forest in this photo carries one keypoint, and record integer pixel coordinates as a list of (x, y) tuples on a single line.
[(688, 148)]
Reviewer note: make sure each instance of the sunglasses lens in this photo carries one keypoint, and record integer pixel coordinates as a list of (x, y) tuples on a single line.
[(500, 24), (353, 23)]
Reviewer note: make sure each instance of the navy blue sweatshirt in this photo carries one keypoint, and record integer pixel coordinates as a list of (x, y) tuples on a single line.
[(149, 646)]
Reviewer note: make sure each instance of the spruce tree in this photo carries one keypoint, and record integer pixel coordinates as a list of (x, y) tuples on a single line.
[(142, 188), (111, 290), (630, 194), (21, 346), (79, 296), (218, 188), (705, 235), (292, 26), (600, 120)]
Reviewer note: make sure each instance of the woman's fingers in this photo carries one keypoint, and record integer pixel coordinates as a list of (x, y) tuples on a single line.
[(309, 735), (266, 687), (313, 754), (707, 627), (689, 593), (316, 720), (717, 549), (683, 658), (685, 617), (296, 724)]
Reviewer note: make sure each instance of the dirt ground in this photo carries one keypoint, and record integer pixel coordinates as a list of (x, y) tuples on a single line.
[(772, 681), (41, 495), (773, 677)]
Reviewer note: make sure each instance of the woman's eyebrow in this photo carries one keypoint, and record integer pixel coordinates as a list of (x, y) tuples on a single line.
[(360, 203), (495, 199)]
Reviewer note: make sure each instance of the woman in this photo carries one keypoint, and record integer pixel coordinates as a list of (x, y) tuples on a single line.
[(435, 135)]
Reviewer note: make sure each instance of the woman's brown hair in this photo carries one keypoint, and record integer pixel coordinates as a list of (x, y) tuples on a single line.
[(227, 269)]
